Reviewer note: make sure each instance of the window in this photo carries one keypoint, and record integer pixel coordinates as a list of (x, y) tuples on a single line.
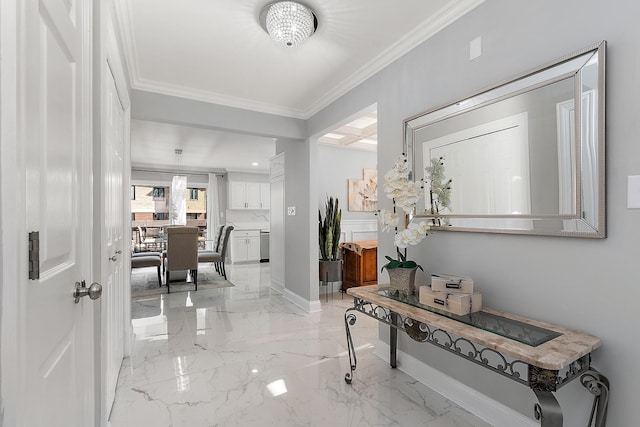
[(159, 216), (193, 194), (191, 215), (133, 192), (158, 193)]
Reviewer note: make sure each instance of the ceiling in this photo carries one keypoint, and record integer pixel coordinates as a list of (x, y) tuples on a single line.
[(216, 51), (206, 149), (360, 133), (154, 144)]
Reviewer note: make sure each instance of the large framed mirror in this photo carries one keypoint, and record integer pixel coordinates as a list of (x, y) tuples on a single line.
[(525, 156)]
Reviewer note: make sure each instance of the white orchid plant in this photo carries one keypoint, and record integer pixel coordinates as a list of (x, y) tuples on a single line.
[(405, 193), (439, 189)]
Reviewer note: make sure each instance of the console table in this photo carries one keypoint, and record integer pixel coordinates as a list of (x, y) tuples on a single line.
[(539, 355)]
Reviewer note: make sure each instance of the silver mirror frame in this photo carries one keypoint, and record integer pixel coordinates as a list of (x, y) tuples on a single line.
[(542, 224)]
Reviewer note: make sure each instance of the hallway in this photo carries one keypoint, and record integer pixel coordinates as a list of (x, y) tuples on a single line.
[(245, 356)]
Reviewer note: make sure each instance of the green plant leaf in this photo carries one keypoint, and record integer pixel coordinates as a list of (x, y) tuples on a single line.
[(393, 263), (329, 230)]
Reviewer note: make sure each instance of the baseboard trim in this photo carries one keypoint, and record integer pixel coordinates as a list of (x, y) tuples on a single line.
[(277, 286), (483, 407), (315, 306), (306, 305)]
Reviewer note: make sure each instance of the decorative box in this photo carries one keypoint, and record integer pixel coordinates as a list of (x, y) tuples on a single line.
[(451, 283), (455, 303)]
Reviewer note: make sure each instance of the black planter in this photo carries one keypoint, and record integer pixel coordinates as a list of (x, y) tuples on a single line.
[(330, 271)]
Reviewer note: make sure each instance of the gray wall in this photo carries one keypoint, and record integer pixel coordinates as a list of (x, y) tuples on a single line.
[(300, 238), (584, 284), (171, 109), (335, 167)]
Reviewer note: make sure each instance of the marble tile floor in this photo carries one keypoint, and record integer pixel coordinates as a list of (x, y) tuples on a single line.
[(245, 356)]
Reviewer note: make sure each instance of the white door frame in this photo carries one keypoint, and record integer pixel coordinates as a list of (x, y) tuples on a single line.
[(12, 254), (111, 65)]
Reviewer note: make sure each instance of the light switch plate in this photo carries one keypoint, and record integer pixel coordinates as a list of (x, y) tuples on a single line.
[(475, 48), (633, 192), (291, 210)]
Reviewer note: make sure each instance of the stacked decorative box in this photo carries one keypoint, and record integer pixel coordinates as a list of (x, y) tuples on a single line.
[(451, 293)]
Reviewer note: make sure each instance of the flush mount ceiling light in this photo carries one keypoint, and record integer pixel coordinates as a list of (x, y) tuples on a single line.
[(288, 23)]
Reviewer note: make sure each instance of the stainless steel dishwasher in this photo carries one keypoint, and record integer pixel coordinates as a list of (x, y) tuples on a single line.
[(264, 246)]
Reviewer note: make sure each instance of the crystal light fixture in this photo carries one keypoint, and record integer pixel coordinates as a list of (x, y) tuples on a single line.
[(288, 23)]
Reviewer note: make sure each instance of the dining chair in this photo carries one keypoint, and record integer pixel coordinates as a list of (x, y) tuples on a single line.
[(219, 238), (208, 255), (218, 258), (147, 259), (182, 253)]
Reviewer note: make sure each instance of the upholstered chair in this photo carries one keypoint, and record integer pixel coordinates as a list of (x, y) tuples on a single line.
[(182, 253), (218, 258), (147, 259)]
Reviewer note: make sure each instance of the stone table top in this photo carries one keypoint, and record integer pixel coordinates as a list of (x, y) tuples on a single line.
[(554, 354)]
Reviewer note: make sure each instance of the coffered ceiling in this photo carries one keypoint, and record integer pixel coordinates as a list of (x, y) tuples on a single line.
[(361, 133)]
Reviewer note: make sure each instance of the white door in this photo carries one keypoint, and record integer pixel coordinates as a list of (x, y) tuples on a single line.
[(55, 131), (113, 251)]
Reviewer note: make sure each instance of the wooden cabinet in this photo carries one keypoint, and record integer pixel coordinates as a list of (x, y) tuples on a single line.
[(248, 195), (245, 246), (359, 263)]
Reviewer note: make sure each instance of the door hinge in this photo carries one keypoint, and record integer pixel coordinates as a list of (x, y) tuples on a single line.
[(34, 255)]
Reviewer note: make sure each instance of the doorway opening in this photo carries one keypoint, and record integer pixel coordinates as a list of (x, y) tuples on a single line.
[(348, 150)]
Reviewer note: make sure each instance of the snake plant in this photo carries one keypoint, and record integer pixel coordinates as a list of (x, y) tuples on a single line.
[(329, 230)]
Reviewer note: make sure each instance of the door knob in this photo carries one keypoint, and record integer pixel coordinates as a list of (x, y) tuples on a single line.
[(115, 257), (93, 292)]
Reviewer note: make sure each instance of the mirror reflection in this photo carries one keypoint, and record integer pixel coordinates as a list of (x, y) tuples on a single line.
[(523, 157)]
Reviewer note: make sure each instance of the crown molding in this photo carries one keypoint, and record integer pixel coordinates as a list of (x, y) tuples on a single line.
[(124, 27), (430, 27), (426, 30), (215, 98)]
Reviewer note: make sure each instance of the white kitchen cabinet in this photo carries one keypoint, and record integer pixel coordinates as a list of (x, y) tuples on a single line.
[(246, 195), (237, 195), (265, 195), (245, 246), (253, 195)]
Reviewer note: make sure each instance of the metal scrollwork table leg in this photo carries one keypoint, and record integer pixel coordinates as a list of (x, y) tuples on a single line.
[(598, 385), (548, 410), (393, 340), (350, 319), (386, 316)]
